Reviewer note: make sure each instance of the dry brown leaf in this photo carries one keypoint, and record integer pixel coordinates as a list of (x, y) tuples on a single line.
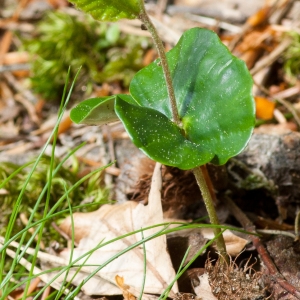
[(111, 221), (276, 129), (264, 108), (58, 3), (15, 58), (5, 44), (65, 124), (6, 40), (203, 290), (125, 288), (234, 244), (49, 124), (259, 17)]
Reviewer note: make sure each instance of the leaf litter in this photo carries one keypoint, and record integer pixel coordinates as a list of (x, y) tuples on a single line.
[(18, 119), (116, 220), (111, 221)]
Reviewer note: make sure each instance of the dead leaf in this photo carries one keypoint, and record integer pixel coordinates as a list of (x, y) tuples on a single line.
[(234, 244), (276, 129), (58, 3), (15, 58), (264, 108), (5, 44), (124, 287), (29, 107), (195, 239), (259, 17), (203, 290), (112, 221), (49, 124), (65, 124)]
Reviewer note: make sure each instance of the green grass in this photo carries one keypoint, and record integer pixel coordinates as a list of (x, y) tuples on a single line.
[(27, 246), (291, 58), (101, 50), (36, 200)]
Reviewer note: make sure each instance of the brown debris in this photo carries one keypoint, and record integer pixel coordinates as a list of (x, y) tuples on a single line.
[(278, 281), (185, 296), (229, 282), (179, 190), (286, 255), (277, 158)]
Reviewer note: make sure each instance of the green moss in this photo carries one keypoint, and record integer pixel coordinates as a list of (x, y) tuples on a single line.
[(292, 59), (91, 191), (103, 52)]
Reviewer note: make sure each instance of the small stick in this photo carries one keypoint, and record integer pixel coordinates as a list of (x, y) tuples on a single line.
[(277, 232), (56, 284), (260, 16), (17, 88), (14, 67), (46, 293), (161, 7), (29, 107), (265, 257), (62, 233), (24, 220), (273, 56), (111, 149), (33, 285)]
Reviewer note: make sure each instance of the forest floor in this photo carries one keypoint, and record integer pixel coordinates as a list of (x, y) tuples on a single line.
[(257, 192)]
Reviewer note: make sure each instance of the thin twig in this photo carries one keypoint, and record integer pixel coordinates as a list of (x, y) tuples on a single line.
[(24, 220), (265, 257), (268, 12), (46, 293), (277, 232), (33, 286), (14, 67), (29, 107), (168, 34), (213, 22), (284, 11), (62, 233), (38, 272), (17, 87), (272, 57), (161, 7), (110, 143)]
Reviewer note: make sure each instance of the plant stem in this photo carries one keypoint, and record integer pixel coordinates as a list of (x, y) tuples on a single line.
[(163, 59), (204, 184), (200, 173), (209, 184)]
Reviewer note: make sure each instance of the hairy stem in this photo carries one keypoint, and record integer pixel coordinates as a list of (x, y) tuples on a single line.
[(200, 173), (204, 184), (163, 59)]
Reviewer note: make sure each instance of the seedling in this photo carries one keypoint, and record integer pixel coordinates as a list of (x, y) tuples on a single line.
[(191, 106)]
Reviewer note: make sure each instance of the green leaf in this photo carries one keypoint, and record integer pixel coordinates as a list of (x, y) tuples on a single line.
[(213, 91), (159, 137), (95, 111), (109, 10)]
